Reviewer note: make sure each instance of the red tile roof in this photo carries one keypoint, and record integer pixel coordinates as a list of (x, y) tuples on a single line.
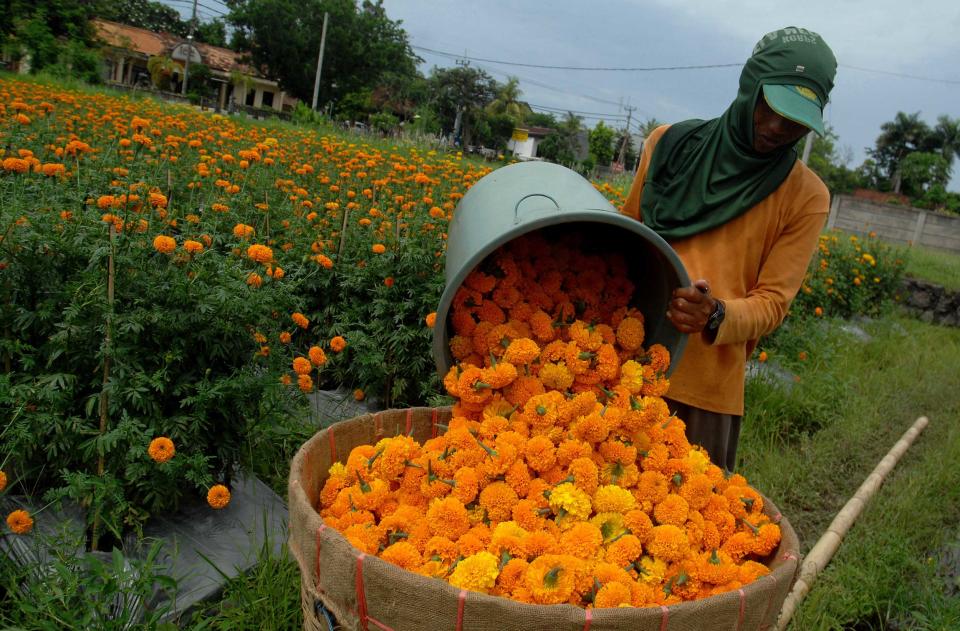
[(150, 44)]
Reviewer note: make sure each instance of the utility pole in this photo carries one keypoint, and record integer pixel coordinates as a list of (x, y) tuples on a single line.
[(323, 43), (807, 148), (626, 136), (186, 63)]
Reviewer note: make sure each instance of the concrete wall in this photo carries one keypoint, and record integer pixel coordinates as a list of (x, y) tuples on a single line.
[(898, 224)]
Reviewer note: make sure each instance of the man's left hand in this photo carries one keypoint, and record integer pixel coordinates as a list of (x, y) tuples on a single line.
[(690, 307)]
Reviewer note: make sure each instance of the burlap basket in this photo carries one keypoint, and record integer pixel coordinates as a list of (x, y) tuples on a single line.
[(365, 592)]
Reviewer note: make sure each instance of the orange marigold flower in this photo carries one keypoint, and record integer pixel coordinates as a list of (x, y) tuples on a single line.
[(161, 449), (337, 343), (612, 594), (668, 542), (521, 351), (243, 231), (20, 522), (285, 337), (53, 169), (305, 383), (300, 320), (672, 510), (254, 280), (403, 554), (192, 247), (260, 253), (317, 356), (218, 496), (359, 394), (164, 244), (630, 333), (378, 248), (498, 500), (3, 481), (582, 540), (431, 319), (302, 366), (550, 578)]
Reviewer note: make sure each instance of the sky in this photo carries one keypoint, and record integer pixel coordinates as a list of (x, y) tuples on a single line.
[(876, 42)]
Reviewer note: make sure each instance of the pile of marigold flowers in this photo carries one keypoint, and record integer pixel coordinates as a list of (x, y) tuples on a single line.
[(562, 477)]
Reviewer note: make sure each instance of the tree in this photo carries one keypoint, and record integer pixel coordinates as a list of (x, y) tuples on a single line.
[(899, 138), (283, 37), (601, 144), (507, 101), (213, 32), (947, 135), (42, 29), (161, 69), (560, 145), (826, 161), (541, 119), (146, 14), (922, 170), (460, 91)]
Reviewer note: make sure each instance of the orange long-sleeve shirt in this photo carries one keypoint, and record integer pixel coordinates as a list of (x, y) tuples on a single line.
[(755, 263)]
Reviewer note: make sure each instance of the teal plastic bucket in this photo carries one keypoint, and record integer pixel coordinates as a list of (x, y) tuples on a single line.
[(539, 196)]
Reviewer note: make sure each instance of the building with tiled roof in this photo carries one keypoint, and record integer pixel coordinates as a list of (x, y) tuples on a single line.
[(128, 49)]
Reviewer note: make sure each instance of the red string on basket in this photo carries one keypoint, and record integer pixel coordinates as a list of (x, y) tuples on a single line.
[(361, 596), (319, 530), (665, 618), (433, 424), (461, 602), (743, 608), (409, 421), (766, 625), (377, 427), (588, 617), (333, 445)]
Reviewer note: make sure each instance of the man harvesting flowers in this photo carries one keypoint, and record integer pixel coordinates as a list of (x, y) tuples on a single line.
[(744, 216)]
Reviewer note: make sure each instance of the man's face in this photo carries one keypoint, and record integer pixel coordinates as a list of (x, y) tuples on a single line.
[(772, 131)]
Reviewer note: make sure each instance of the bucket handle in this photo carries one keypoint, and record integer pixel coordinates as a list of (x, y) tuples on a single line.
[(516, 209)]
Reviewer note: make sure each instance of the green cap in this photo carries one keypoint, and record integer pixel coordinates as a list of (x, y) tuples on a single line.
[(796, 102)]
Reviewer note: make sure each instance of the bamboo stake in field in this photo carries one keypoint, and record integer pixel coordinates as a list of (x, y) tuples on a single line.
[(821, 553)]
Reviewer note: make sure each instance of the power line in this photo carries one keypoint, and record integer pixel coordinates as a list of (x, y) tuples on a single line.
[(903, 75), (563, 110), (200, 4), (588, 68)]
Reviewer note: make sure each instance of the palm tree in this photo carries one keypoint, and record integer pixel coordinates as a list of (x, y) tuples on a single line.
[(898, 138), (947, 134), (507, 101)]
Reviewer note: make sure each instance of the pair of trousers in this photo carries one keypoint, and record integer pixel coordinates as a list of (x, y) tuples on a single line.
[(717, 433)]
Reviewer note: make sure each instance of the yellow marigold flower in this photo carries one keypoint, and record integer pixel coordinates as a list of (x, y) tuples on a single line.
[(612, 594), (567, 501), (300, 320), (378, 248), (218, 496), (613, 499), (668, 543), (20, 522), (654, 570), (161, 449), (317, 356), (192, 247), (3, 481), (164, 244), (550, 578), (260, 253), (631, 376), (302, 366), (510, 537), (476, 573), (555, 376)]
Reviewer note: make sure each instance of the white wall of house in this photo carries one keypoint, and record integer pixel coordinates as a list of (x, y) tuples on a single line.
[(523, 148)]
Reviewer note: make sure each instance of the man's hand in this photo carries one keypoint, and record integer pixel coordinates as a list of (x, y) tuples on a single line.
[(691, 307)]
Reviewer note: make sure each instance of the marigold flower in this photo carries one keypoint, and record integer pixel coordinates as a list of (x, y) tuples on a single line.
[(161, 449), (254, 280), (285, 337), (378, 248), (20, 522), (403, 554), (260, 253), (243, 231), (337, 343), (302, 366), (3, 481), (431, 319), (192, 247), (476, 573), (359, 394), (550, 578), (613, 499), (218, 496), (612, 594), (305, 383), (317, 356), (668, 542), (300, 320), (164, 244)]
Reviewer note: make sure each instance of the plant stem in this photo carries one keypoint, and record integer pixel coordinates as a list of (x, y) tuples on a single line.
[(107, 343)]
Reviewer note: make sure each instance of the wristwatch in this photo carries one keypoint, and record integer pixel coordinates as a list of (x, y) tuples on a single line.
[(716, 318)]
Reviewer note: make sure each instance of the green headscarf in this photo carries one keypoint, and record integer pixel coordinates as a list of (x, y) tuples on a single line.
[(705, 173)]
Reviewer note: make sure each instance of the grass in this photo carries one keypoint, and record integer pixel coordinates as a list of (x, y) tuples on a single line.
[(809, 449), (937, 266)]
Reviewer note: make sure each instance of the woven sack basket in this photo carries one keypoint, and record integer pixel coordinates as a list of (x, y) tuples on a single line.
[(365, 592)]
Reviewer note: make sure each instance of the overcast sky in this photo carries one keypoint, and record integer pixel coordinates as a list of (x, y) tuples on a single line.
[(918, 38)]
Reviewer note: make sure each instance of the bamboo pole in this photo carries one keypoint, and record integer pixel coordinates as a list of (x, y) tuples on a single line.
[(821, 553)]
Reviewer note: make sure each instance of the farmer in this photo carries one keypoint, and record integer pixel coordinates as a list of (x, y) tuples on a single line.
[(744, 215)]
